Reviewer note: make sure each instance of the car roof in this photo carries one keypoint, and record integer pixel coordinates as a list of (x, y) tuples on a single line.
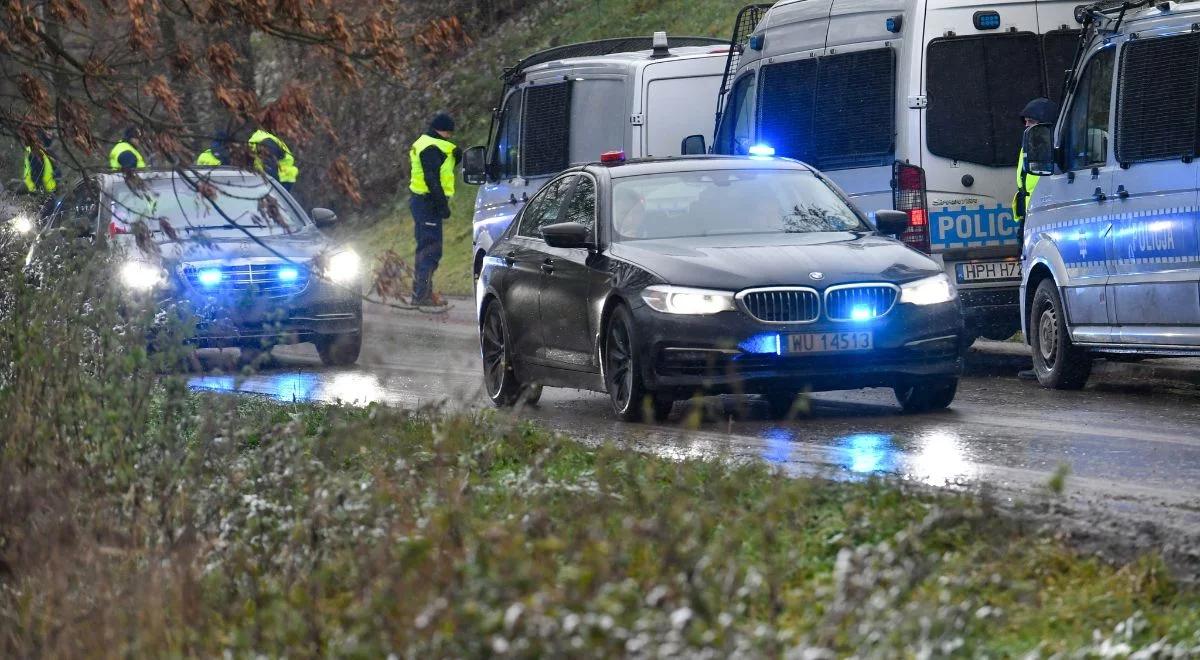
[(640, 166), (223, 173)]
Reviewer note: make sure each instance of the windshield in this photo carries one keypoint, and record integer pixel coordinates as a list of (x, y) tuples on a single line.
[(249, 202), (724, 202)]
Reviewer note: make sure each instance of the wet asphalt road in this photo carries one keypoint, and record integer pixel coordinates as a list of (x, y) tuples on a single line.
[(1130, 446)]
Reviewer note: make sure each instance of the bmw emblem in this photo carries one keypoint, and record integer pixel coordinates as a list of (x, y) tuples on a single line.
[(817, 275)]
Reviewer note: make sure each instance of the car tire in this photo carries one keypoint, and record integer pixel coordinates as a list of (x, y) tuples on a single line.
[(926, 393), (339, 350), (631, 400), (499, 377), (1058, 363)]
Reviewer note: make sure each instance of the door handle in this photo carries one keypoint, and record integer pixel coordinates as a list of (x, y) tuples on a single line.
[(548, 266), (1122, 193), (510, 258), (1099, 195)]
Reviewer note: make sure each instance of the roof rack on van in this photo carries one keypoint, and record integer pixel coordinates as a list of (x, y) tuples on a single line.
[(602, 47), (747, 20)]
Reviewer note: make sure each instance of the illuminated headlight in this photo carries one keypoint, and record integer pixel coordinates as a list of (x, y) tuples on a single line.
[(680, 300), (142, 276), (344, 267), (929, 291), (21, 224)]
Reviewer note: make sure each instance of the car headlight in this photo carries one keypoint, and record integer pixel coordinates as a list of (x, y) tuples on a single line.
[(20, 224), (344, 267), (142, 276), (929, 291), (682, 300)]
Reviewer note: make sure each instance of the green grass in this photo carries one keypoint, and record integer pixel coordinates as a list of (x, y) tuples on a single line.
[(471, 88)]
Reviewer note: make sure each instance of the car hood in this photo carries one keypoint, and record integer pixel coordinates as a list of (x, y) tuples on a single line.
[(738, 262), (300, 246)]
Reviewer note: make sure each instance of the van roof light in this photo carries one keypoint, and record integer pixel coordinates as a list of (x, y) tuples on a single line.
[(612, 157)]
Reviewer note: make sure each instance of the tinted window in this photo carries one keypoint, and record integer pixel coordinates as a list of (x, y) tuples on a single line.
[(724, 202), (1086, 132), (546, 138), (544, 208), (977, 87), (582, 208), (834, 112), (1157, 98), (507, 152), (733, 136), (601, 106)]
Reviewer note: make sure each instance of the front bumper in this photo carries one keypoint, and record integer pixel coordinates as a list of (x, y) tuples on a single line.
[(724, 353)]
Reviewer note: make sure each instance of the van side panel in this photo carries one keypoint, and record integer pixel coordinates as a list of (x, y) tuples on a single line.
[(680, 100)]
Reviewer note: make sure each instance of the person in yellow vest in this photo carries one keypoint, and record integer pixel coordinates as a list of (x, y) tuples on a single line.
[(272, 157), (37, 171), (124, 155), (217, 154), (433, 158)]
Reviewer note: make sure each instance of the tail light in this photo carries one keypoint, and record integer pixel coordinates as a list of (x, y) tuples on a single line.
[(908, 195), (114, 229)]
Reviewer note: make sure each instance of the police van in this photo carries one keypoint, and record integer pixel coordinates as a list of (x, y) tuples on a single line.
[(570, 104), (1112, 239), (909, 104)]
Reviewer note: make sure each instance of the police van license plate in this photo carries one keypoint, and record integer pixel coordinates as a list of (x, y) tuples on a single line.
[(988, 271), (827, 342)]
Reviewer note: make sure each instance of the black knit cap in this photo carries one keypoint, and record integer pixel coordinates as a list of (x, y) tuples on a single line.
[(1041, 110), (442, 122)]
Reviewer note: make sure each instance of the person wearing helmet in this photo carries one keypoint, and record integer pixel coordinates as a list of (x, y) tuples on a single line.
[(1037, 111)]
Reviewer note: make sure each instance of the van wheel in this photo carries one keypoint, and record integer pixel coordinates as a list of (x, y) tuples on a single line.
[(926, 394), (1057, 361)]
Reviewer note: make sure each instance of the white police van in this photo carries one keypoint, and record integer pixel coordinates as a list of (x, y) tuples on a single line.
[(570, 104), (912, 104), (1111, 248)]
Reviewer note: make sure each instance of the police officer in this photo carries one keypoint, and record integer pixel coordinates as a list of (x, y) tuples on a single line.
[(1037, 111), (217, 154), (273, 157), (433, 157), (124, 155), (37, 171)]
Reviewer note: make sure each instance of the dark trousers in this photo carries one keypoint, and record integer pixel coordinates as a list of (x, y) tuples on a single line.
[(427, 225)]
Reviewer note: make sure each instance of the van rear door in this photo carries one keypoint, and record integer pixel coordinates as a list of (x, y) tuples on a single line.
[(679, 98)]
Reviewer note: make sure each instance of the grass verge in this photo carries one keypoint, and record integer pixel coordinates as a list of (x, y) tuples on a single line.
[(471, 87)]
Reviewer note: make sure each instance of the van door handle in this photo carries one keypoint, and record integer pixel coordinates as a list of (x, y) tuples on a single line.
[(1122, 193), (1099, 195)]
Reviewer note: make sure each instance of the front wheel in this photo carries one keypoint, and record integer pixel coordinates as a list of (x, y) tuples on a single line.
[(631, 400), (927, 394), (1057, 361), (339, 350)]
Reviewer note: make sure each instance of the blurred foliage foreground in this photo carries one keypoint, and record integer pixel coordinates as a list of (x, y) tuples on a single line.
[(139, 519)]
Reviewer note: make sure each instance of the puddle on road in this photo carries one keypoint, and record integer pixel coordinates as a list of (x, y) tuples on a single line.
[(349, 387), (935, 457)]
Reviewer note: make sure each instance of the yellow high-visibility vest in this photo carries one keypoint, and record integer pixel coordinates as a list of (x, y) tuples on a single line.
[(1026, 183), (48, 183), (114, 156), (417, 185), (288, 172), (208, 159)]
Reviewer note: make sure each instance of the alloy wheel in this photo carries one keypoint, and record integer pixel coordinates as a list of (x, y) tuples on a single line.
[(619, 364), (495, 362)]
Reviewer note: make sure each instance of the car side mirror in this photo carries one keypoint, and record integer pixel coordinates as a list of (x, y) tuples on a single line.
[(1038, 145), (891, 223), (693, 145), (567, 235), (324, 218), (475, 166)]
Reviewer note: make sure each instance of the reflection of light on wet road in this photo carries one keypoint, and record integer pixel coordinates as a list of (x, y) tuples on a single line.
[(779, 446), (355, 387), (866, 453), (940, 458)]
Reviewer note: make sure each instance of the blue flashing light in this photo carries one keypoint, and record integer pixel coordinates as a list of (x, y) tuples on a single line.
[(210, 276), (895, 24), (763, 344), (757, 41), (762, 151), (987, 20), (862, 313), (287, 274)]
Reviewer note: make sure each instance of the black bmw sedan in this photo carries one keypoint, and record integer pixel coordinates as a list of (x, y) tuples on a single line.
[(657, 280)]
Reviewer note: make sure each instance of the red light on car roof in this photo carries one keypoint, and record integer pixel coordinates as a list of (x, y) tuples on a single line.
[(612, 157)]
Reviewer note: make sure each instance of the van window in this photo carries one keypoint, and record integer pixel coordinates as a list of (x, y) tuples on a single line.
[(507, 152), (547, 129), (733, 137), (599, 118), (977, 87), (1086, 132), (835, 112), (1157, 100)]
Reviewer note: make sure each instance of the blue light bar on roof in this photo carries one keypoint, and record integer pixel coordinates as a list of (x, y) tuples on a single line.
[(762, 150)]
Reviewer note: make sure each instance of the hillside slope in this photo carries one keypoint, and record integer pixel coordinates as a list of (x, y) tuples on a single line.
[(470, 89)]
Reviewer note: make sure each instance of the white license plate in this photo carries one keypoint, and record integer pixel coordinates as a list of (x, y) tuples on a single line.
[(827, 342), (988, 271)]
